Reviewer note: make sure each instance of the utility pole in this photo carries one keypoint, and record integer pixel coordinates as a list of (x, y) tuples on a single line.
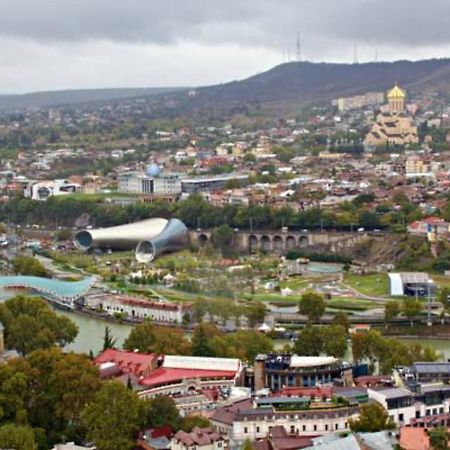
[(429, 322), (355, 53), (298, 48)]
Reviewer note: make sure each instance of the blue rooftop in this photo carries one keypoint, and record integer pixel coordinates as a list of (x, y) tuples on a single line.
[(65, 291)]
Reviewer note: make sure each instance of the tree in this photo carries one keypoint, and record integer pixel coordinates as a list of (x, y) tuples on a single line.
[(170, 342), (222, 237), (17, 437), (141, 337), (231, 345), (51, 381), (192, 421), (439, 438), (312, 305), (28, 265), (201, 339), (372, 418), (108, 340), (334, 339), (163, 411), (72, 382), (114, 417), (31, 324), (341, 318), (247, 445), (391, 310), (309, 342), (411, 308), (255, 312)]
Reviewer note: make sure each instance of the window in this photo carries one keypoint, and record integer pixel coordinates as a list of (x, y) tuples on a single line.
[(219, 444), (400, 417), (292, 428), (326, 427), (315, 427), (245, 430), (336, 426), (257, 429), (304, 427), (417, 414), (441, 410)]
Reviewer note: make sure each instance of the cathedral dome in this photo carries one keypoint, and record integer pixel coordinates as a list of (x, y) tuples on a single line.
[(396, 92)]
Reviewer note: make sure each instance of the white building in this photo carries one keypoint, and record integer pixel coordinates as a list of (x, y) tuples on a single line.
[(140, 308), (42, 190), (407, 408), (315, 413), (140, 183)]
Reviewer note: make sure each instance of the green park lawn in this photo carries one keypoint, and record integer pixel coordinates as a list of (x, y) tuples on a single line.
[(441, 280), (376, 285), (355, 304)]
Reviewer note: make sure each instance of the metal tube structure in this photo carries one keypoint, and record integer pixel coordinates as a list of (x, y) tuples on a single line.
[(156, 235), (174, 237)]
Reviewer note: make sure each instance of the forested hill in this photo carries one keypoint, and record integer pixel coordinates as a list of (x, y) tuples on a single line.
[(304, 82), (75, 96)]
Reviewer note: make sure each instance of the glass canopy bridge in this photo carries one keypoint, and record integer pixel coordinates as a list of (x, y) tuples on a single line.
[(64, 293)]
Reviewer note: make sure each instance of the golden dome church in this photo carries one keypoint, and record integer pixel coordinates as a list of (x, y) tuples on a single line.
[(395, 126)]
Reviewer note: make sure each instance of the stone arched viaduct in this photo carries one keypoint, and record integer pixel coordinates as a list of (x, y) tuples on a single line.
[(281, 242)]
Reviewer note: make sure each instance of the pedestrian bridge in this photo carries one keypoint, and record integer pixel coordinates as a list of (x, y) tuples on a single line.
[(65, 293)]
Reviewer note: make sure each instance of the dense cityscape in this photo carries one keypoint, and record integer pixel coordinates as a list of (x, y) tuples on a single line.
[(262, 264)]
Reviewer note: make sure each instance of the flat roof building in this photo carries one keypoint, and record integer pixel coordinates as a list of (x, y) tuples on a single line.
[(410, 283)]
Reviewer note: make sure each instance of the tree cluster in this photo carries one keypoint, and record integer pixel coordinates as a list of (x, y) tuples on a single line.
[(28, 265), (387, 352), (49, 397), (207, 340), (196, 211), (30, 324), (315, 340)]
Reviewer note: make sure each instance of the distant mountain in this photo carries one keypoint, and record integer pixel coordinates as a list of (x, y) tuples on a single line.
[(75, 96), (298, 83), (281, 88)]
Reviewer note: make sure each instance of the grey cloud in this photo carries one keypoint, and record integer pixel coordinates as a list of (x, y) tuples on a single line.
[(265, 23)]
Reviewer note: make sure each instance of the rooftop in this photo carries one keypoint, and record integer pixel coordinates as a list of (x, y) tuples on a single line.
[(164, 376), (311, 361), (129, 362)]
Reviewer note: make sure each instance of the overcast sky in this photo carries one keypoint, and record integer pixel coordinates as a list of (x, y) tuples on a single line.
[(64, 44)]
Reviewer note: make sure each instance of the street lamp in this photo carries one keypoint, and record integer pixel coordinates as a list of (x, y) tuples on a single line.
[(429, 322)]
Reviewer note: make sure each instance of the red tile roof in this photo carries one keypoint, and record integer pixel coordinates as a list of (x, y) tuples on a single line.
[(414, 439), (166, 375), (138, 364)]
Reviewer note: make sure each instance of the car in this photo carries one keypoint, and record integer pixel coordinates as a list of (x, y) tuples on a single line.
[(361, 230)]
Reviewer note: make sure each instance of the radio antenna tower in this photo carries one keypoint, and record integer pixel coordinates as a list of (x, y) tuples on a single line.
[(298, 48), (355, 53)]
